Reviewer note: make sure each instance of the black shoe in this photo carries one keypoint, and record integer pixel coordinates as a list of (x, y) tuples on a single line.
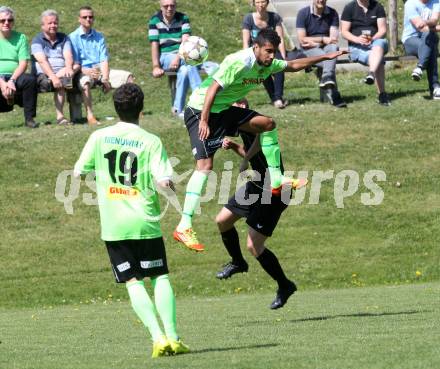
[(283, 295), (337, 100), (31, 123), (327, 82), (369, 79), (384, 99), (230, 269)]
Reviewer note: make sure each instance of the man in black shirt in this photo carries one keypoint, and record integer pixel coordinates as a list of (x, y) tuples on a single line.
[(317, 27), (363, 24), (262, 211)]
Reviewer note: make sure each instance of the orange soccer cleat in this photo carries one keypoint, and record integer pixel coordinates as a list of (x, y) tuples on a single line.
[(296, 184), (189, 238)]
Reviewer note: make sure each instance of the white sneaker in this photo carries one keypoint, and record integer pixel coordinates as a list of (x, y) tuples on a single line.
[(416, 74), (280, 104), (436, 93)]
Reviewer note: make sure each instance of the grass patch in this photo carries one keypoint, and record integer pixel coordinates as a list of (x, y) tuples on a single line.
[(364, 328), (51, 255)]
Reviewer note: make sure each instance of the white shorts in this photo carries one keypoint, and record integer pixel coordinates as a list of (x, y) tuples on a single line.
[(117, 78)]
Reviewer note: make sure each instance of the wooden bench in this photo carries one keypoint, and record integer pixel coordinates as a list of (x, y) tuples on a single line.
[(172, 82)]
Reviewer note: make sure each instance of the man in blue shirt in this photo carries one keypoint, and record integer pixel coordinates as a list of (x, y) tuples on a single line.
[(53, 62), (420, 39), (91, 58), (317, 28)]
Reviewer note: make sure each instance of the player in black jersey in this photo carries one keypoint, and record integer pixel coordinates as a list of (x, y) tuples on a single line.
[(262, 211)]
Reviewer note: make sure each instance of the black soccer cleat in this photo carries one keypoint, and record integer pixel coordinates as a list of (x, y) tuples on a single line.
[(283, 295), (230, 269)]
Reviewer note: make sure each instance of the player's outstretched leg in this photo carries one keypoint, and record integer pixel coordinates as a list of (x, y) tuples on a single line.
[(271, 151), (166, 307), (184, 232), (268, 134), (144, 309), (286, 287)]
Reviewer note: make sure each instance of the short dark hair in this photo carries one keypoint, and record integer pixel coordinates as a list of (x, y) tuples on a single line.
[(85, 7), (253, 2), (268, 35), (129, 102)]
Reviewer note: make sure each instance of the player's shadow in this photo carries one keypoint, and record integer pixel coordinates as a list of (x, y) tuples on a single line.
[(233, 348), (304, 100), (338, 316), (359, 315)]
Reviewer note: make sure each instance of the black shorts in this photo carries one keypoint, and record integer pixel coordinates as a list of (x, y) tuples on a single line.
[(262, 216), (225, 123), (137, 258)]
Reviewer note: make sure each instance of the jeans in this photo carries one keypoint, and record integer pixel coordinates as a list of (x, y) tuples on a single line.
[(328, 66), (361, 54), (186, 76), (425, 48), (274, 84), (25, 96)]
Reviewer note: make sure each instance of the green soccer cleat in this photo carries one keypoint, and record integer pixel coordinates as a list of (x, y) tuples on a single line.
[(178, 347), (161, 348)]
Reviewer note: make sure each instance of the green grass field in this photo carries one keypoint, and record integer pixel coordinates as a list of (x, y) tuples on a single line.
[(364, 328), (368, 275)]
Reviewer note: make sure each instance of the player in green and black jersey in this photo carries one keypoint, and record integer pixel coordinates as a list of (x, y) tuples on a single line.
[(210, 116), (129, 162)]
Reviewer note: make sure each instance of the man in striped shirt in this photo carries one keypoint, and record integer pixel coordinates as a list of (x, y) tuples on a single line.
[(167, 29)]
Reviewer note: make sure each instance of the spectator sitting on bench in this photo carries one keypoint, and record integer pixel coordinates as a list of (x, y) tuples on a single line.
[(17, 87), (253, 23), (364, 26), (167, 29), (91, 57), (53, 63), (317, 28), (420, 39)]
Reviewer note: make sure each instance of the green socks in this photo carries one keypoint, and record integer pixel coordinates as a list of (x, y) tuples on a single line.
[(194, 190), (165, 305), (146, 311), (271, 150), (144, 308)]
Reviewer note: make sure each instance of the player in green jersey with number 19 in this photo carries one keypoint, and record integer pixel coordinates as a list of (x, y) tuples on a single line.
[(210, 117), (128, 162)]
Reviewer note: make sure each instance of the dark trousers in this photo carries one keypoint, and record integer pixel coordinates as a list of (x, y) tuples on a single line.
[(25, 96), (425, 48), (274, 84)]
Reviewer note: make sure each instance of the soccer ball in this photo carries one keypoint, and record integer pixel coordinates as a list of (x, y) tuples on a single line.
[(194, 50)]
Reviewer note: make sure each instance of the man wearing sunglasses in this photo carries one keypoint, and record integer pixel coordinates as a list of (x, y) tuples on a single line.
[(17, 87), (91, 58)]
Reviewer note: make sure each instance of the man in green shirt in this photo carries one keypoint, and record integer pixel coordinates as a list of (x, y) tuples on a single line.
[(128, 162), (17, 87), (210, 117)]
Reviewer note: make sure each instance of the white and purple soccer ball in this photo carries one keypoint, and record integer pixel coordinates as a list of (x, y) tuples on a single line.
[(194, 50)]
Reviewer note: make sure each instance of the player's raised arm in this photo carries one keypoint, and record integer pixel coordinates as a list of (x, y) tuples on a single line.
[(207, 105), (299, 64)]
